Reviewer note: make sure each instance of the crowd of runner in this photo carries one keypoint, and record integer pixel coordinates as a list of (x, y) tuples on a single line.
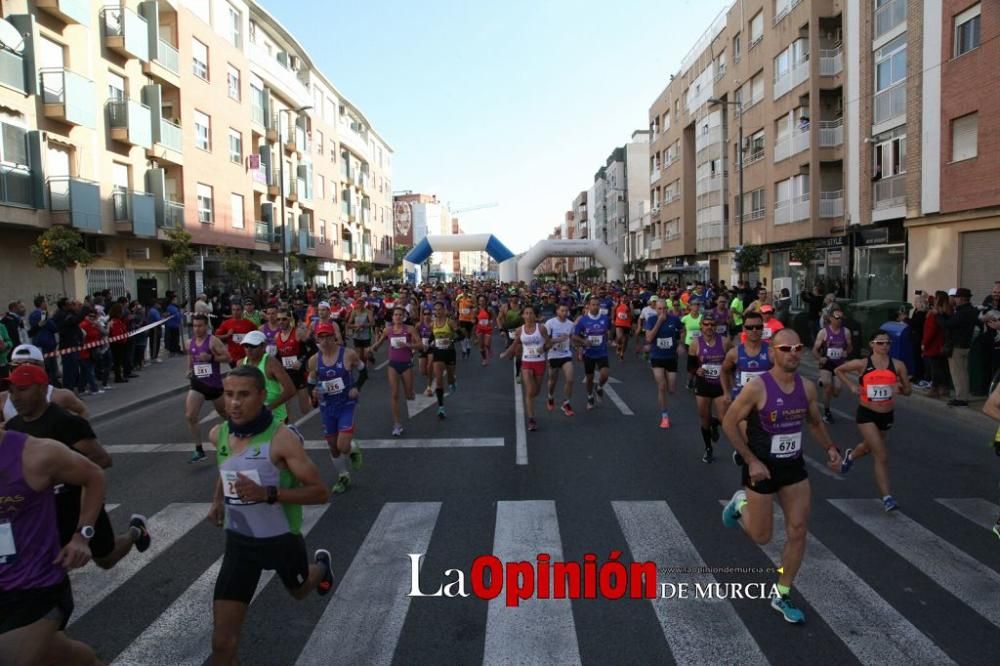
[(277, 356)]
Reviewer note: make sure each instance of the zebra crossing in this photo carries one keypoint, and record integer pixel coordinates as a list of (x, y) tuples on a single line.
[(365, 617)]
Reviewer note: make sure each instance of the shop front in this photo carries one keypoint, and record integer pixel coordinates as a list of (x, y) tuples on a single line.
[(827, 268), (879, 263)]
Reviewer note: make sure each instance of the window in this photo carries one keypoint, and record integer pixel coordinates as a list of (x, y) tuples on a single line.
[(202, 131), (757, 88), (199, 59), (236, 210), (13, 147), (756, 29), (205, 203), (964, 137), (116, 86), (330, 111), (234, 26), (235, 146), (967, 30), (333, 151), (233, 82), (320, 187), (754, 204), (890, 154), (322, 230), (736, 48), (319, 142), (890, 63)]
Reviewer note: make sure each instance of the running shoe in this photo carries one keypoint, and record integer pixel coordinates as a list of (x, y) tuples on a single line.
[(550, 404), (441, 413), (785, 606), (357, 458), (731, 512), (664, 421), (827, 416), (343, 483), (322, 558), (709, 456), (532, 425), (738, 459), (847, 462), (590, 402), (397, 430), (600, 393), (889, 504), (197, 456), (714, 428), (567, 409), (452, 388), (140, 534)]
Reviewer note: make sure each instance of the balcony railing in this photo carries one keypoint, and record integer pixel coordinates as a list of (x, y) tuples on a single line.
[(791, 210), (831, 204), (708, 184), (799, 73), (831, 61), (890, 192), (12, 69), (119, 205), (888, 16), (80, 199), (68, 96), (831, 133), (15, 186), (754, 215), (654, 175), (171, 135), (890, 103), (720, 72), (169, 57), (257, 114), (703, 140), (791, 145), (173, 215), (263, 232), (752, 157)]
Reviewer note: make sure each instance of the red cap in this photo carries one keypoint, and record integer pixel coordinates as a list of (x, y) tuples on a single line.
[(325, 328), (766, 309), (28, 374)]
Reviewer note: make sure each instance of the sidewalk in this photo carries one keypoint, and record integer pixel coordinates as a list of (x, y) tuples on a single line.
[(155, 381)]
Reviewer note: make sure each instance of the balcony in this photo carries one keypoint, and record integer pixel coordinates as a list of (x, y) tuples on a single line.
[(756, 156), (130, 122), (831, 204), (782, 9), (655, 245), (278, 76), (168, 143), (16, 188), (654, 175), (125, 32), (69, 97), (791, 145), (890, 192), (709, 184), (12, 70), (263, 233), (134, 212), (291, 189), (798, 74), (273, 181), (172, 216), (75, 202), (831, 133), (791, 210), (68, 11), (831, 61), (889, 16), (890, 103), (164, 63), (753, 215), (703, 140)]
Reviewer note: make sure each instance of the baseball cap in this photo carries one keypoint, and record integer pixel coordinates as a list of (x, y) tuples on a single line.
[(767, 308), (254, 339), (27, 375), (324, 304), (324, 328), (953, 292), (654, 299), (962, 292), (26, 353)]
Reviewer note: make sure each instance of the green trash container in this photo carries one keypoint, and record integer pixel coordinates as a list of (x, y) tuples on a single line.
[(870, 315), (979, 379)]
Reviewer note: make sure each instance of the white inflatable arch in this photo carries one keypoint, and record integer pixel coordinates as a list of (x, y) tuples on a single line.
[(599, 250), (487, 243)]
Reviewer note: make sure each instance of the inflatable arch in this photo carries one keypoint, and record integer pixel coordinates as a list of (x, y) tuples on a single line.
[(599, 250), (461, 243)]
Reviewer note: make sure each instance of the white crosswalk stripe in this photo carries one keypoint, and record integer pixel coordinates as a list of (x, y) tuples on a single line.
[(363, 621), (976, 509), (975, 584)]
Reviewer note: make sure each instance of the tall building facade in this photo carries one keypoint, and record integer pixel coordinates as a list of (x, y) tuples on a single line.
[(126, 121)]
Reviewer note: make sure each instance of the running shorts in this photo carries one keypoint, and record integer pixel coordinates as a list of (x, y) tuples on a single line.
[(246, 557), (589, 364), (446, 356), (211, 393), (466, 327), (831, 366), (882, 421), (298, 378), (556, 363), (706, 389), (668, 364), (782, 474), (338, 418), (401, 366), (20, 608), (362, 343), (692, 363), (537, 368)]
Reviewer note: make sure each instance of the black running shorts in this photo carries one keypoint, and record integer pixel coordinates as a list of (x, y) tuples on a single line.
[(589, 364), (706, 389), (211, 393), (782, 474), (668, 364), (882, 421), (20, 608), (246, 557), (556, 363)]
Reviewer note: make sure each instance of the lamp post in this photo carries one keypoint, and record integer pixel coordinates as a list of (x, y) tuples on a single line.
[(285, 268), (739, 152)]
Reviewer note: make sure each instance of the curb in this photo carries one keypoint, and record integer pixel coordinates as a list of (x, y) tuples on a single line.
[(137, 404)]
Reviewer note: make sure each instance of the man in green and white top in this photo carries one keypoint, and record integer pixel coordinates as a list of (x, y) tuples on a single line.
[(265, 476), (692, 329)]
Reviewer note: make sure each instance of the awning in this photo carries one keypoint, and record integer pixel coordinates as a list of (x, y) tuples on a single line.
[(269, 266)]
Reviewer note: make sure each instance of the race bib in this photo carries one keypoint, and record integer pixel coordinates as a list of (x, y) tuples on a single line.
[(604, 312), (595, 340), (466, 311), (747, 375), (722, 329), (398, 341), (272, 350), (695, 334), (8, 551), (766, 333), (289, 362), (332, 386), (880, 392), (442, 343), (238, 338), (532, 351), (425, 341), (202, 370), (712, 370), (835, 353), (562, 346), (229, 479), (664, 343), (484, 322), (622, 316), (786, 446)]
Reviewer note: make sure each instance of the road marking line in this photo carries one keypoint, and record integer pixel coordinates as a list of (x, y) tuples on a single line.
[(92, 584), (538, 631), (363, 621), (619, 403), (421, 402), (111, 507), (654, 534), (822, 468), (305, 417), (973, 583), (382, 364), (182, 635), (320, 445), (208, 419), (520, 429), (976, 509)]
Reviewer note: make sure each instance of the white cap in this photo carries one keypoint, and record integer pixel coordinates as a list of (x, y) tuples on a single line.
[(254, 338), (953, 291), (323, 304), (24, 353)]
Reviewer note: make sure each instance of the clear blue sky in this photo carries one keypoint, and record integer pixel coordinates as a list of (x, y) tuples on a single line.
[(516, 102)]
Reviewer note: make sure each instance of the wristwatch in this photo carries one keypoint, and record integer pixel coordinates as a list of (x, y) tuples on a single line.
[(272, 494), (87, 532)]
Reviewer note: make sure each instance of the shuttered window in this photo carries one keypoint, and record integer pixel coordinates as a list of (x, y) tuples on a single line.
[(964, 137), (979, 249)]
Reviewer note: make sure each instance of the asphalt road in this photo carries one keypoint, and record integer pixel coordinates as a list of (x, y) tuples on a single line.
[(918, 586)]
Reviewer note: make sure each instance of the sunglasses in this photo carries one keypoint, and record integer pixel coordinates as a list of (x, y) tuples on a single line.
[(787, 349), (880, 343), (709, 323), (249, 346), (755, 327)]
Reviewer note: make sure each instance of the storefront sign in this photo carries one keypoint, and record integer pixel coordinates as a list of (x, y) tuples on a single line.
[(876, 236), (834, 258), (834, 241)]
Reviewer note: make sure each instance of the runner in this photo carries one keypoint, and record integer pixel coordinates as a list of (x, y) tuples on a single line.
[(743, 363), (270, 328), (692, 329), (403, 339), (231, 332), (250, 312), (771, 324), (591, 332), (265, 476), (531, 341), (833, 346), (465, 307), (775, 409), (508, 320), (623, 325), (35, 596), (359, 326), (40, 418), (560, 356), (443, 331), (280, 388), (484, 330), (722, 316), (663, 334), (880, 377), (992, 410), (709, 349), (293, 350), (649, 310), (65, 398), (205, 353)]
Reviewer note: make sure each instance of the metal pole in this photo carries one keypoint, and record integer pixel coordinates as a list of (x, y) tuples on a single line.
[(281, 193), (739, 111)]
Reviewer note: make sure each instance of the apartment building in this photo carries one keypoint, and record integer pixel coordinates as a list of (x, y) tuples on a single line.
[(123, 121)]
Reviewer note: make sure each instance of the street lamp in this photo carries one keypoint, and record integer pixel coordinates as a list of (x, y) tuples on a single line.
[(285, 268), (739, 151)]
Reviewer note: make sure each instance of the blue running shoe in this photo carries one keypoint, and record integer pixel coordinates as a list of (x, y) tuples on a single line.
[(731, 512), (785, 606), (889, 503), (847, 462)]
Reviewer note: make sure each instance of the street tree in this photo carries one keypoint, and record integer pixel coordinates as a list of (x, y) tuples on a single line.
[(60, 248), (180, 255)]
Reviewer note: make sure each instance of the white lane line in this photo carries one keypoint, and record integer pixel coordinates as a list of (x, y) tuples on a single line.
[(520, 429), (92, 584), (182, 635), (111, 507), (320, 445), (363, 621), (868, 625), (619, 403), (421, 402), (973, 583), (976, 509), (538, 631), (208, 419), (305, 417), (382, 364), (822, 468), (654, 534)]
